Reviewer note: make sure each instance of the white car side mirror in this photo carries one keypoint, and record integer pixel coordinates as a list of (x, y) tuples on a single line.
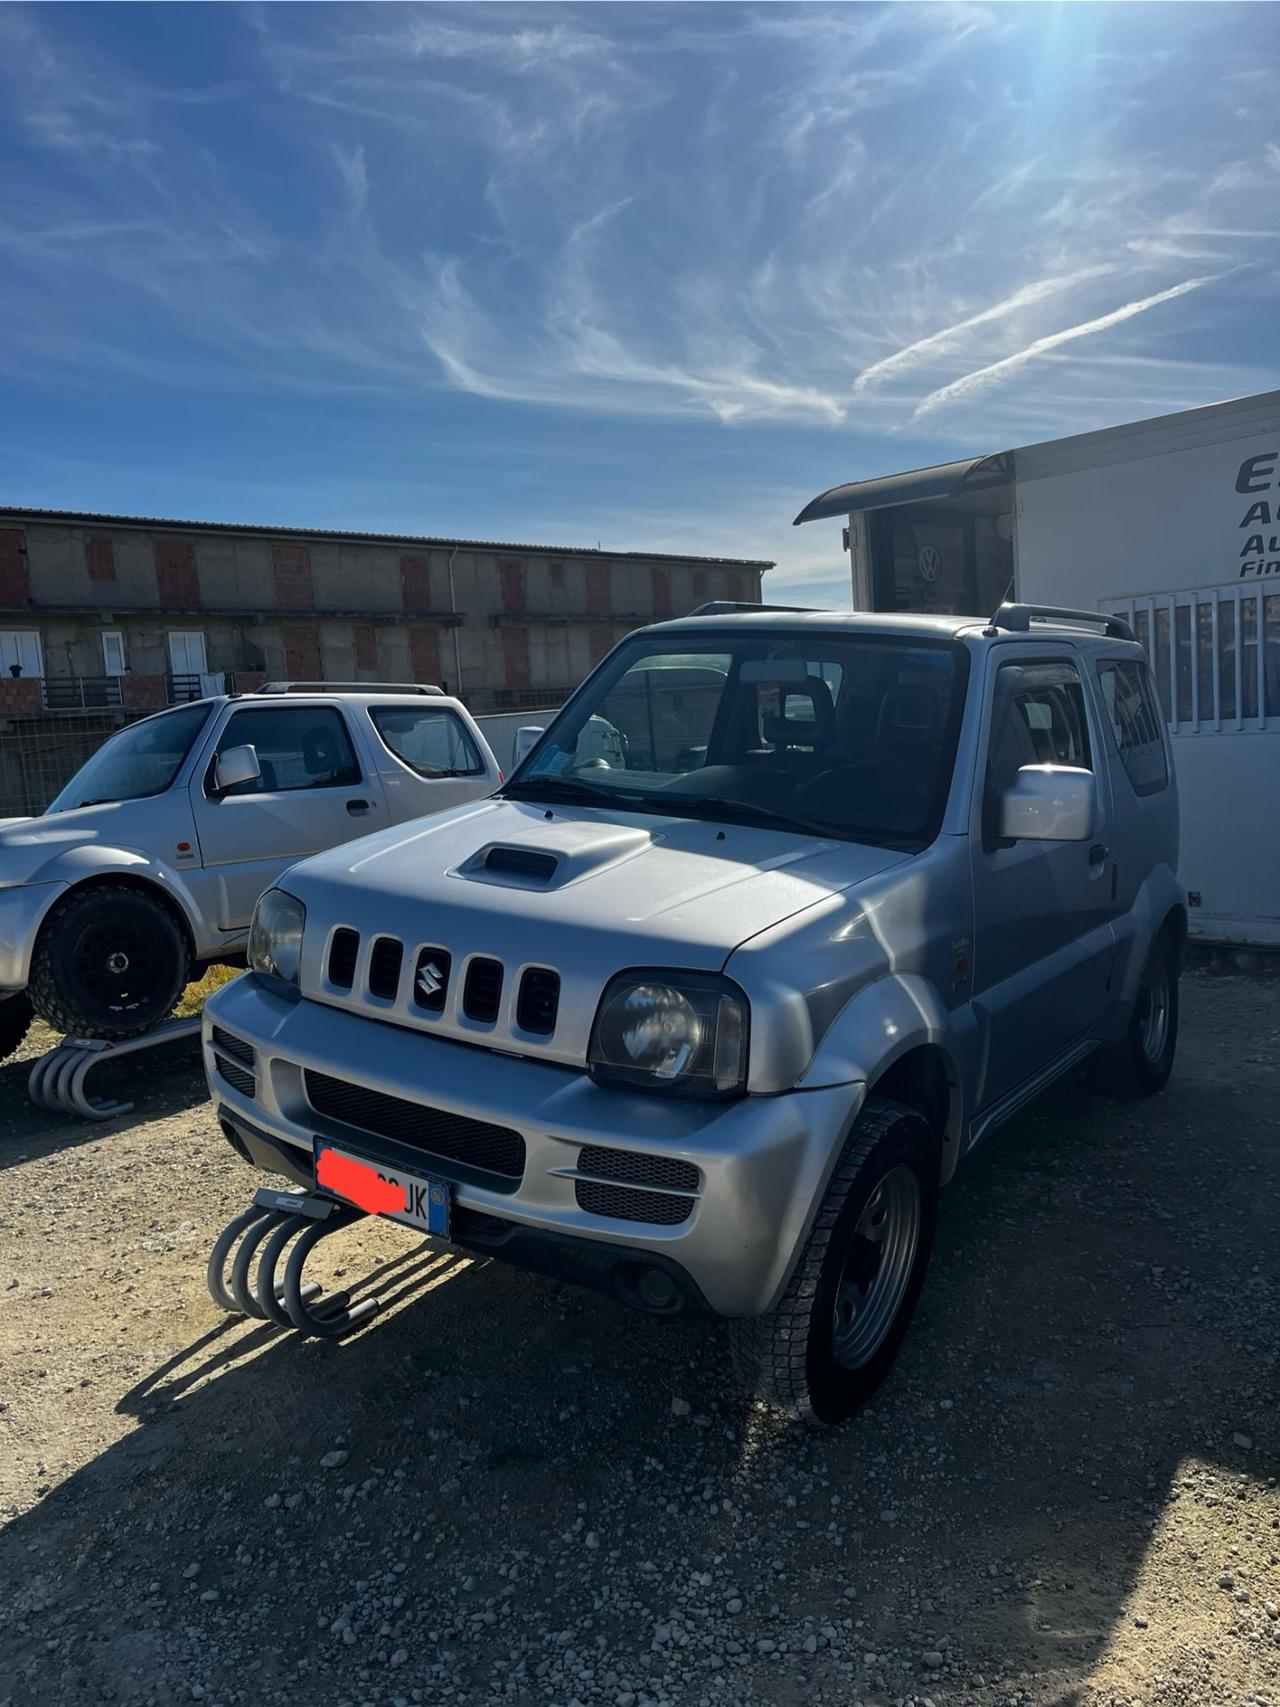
[(527, 739), (236, 765), (1049, 803)]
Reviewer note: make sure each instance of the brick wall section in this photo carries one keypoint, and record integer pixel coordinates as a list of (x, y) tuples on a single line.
[(515, 657), (248, 680), (15, 581), (598, 589), (100, 557), (366, 639), (301, 651), (291, 565), (143, 692), (19, 695), (424, 653), (177, 580), (415, 582), (514, 599)]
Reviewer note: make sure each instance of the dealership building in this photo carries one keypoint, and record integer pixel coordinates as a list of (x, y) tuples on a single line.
[(1172, 523)]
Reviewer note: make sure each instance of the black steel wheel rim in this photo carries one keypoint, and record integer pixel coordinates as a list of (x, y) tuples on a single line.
[(877, 1268), (115, 967)]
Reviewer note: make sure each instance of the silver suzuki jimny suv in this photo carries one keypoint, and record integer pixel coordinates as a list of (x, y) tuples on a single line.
[(705, 1010)]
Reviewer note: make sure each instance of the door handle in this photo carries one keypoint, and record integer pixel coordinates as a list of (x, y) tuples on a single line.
[(1099, 853), (355, 807)]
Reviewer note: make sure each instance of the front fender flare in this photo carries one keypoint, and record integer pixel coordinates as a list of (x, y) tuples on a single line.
[(91, 861), (883, 1022)]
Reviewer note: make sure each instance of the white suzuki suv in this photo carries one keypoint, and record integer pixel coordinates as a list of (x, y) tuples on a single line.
[(149, 862)]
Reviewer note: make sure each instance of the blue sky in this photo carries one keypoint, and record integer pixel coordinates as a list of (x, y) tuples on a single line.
[(644, 275)]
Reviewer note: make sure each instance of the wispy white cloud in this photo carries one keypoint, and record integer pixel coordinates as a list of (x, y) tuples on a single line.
[(860, 221), (981, 379), (923, 350)]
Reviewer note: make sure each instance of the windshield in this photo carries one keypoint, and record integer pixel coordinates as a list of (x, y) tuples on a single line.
[(821, 733), (142, 759)]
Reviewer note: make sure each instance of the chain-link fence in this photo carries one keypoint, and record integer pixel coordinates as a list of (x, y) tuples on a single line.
[(39, 755)]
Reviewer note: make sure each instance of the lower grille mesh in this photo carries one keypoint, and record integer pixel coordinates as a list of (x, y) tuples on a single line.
[(454, 1137), (664, 1173), (624, 1203), (236, 1077)]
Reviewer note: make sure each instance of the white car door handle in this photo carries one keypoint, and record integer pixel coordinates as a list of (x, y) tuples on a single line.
[(357, 806)]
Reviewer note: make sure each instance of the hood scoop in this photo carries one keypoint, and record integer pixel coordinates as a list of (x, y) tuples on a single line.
[(554, 856), (528, 865)]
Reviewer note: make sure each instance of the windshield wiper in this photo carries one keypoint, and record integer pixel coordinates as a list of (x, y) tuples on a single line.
[(769, 815), (567, 789)]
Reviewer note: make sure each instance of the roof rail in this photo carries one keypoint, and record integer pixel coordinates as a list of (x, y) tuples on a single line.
[(347, 687), (1017, 619), (726, 607)]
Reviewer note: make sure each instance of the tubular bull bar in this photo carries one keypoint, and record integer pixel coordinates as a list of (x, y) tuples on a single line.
[(274, 1222)]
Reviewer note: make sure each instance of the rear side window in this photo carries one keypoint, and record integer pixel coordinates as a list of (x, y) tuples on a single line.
[(298, 746), (433, 742), (1135, 723)]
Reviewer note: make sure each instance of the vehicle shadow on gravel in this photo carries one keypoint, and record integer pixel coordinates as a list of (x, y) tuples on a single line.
[(1101, 1309), (162, 1082)]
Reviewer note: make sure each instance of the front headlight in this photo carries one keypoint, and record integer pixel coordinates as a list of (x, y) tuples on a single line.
[(683, 1033), (275, 938)]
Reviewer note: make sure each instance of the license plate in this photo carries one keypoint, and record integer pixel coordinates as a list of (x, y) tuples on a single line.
[(412, 1199)]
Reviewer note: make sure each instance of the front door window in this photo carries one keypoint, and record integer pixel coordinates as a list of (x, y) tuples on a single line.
[(298, 746)]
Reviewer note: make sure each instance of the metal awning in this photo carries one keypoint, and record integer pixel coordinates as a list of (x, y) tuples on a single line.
[(917, 486)]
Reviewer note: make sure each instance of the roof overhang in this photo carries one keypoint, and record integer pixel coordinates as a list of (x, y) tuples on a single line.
[(917, 486)]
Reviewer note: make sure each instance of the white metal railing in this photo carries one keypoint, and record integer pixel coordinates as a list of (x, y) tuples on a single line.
[(1215, 652)]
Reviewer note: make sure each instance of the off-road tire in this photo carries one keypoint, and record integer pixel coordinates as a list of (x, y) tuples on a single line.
[(71, 985), (785, 1358), (15, 1022), (1141, 1068)]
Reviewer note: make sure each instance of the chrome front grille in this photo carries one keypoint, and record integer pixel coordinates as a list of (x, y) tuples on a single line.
[(482, 993), (433, 981), (385, 960)]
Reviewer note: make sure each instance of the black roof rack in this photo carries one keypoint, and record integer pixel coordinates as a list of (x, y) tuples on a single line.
[(347, 687), (727, 607), (1017, 619)]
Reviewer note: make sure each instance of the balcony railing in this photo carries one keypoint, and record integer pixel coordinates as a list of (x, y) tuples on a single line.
[(181, 688), (80, 693)]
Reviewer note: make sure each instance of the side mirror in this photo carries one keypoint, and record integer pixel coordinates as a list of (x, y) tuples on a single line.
[(236, 765), (527, 739), (1049, 803)]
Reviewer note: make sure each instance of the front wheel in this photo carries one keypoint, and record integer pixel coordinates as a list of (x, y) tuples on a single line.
[(1146, 1056), (833, 1338), (110, 962)]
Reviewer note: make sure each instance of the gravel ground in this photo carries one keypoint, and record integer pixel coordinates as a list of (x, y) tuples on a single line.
[(506, 1491)]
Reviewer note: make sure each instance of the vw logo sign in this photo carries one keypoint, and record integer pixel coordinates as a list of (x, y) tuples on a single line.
[(929, 563)]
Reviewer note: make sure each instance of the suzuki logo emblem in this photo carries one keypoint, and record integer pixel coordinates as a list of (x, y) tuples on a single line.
[(430, 979)]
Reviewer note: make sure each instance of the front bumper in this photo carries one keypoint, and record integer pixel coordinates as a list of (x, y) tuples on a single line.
[(763, 1162)]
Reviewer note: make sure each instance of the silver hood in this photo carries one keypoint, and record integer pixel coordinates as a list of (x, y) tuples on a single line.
[(28, 845), (576, 890)]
